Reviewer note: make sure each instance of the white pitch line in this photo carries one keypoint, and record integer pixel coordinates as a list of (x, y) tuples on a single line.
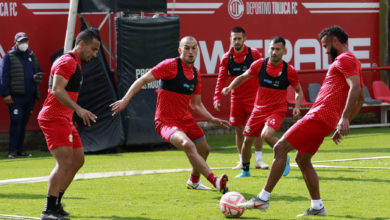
[(145, 172), (352, 159), (101, 175), (2, 216)]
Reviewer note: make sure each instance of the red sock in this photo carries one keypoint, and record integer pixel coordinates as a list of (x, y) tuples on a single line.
[(194, 179), (213, 179)]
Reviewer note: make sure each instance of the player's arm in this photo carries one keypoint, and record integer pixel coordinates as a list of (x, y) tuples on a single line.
[(120, 105), (197, 106), (298, 100), (59, 92), (237, 82), (221, 82), (354, 94)]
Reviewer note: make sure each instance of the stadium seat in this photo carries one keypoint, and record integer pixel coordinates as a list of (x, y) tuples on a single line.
[(312, 91), (291, 98), (367, 98), (381, 91)]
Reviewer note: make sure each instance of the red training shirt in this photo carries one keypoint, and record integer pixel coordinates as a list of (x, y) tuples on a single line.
[(172, 106), (268, 99), (52, 108), (332, 97), (247, 91)]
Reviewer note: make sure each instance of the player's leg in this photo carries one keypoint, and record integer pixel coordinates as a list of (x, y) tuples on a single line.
[(58, 178), (259, 164), (239, 141), (246, 155), (312, 183), (281, 148), (203, 149), (268, 135)]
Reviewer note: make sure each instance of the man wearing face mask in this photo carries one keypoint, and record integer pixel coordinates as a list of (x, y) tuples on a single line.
[(20, 77)]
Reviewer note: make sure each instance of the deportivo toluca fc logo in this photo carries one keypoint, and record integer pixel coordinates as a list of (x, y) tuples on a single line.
[(236, 8)]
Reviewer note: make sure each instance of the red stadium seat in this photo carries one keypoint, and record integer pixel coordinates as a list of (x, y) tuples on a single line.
[(381, 91), (291, 98)]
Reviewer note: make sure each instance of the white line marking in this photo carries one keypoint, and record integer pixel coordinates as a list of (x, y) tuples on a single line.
[(50, 12), (194, 5), (190, 12), (101, 175), (343, 11), (2, 216), (352, 159), (46, 5), (145, 172), (342, 5)]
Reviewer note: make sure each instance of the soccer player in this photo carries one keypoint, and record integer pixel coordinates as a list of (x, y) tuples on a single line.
[(234, 63), (338, 102), (180, 88), (55, 120), (273, 76)]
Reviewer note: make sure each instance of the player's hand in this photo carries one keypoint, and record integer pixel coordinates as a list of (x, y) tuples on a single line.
[(8, 100), (296, 112), (343, 126), (220, 122), (87, 116), (337, 137), (217, 105), (118, 106), (226, 91)]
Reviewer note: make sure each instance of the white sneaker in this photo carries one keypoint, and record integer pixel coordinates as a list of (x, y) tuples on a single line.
[(238, 167), (198, 186), (255, 203), (261, 165), (310, 211)]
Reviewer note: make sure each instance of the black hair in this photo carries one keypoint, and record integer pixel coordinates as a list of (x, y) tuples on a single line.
[(335, 31), (87, 36), (238, 30), (279, 39)]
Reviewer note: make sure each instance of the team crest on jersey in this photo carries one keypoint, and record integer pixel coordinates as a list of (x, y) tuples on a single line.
[(70, 137), (272, 122), (247, 129), (232, 119)]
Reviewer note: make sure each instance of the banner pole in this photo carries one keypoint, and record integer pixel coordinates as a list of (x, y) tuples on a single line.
[(70, 29)]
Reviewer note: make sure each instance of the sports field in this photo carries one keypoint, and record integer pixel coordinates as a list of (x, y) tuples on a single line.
[(351, 189)]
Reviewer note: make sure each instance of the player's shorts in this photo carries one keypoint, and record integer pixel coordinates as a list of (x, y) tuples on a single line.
[(259, 119), (307, 134), (60, 133), (240, 112), (188, 126)]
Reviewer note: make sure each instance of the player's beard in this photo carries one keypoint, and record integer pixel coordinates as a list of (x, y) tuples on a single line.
[(333, 53), (238, 47)]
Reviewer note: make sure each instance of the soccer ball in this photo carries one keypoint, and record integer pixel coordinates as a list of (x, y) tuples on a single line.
[(228, 204)]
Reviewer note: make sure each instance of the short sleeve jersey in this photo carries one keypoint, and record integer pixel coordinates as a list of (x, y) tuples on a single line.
[(331, 99), (246, 92), (269, 99), (64, 66), (172, 106)]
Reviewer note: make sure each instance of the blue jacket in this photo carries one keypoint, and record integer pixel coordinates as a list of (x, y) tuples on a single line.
[(30, 86)]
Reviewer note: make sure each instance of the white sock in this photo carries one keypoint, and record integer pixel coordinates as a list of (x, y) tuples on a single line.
[(264, 195), (240, 158), (317, 204), (258, 155)]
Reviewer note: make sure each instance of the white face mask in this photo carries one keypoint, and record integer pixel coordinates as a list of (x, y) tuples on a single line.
[(23, 47)]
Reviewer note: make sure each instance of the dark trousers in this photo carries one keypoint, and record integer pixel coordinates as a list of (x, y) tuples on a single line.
[(19, 112)]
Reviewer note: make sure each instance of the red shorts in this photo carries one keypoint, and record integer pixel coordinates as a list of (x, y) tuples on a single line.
[(188, 126), (240, 112), (60, 133), (259, 119), (307, 134)]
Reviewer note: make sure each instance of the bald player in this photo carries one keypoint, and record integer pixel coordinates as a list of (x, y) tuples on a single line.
[(180, 88)]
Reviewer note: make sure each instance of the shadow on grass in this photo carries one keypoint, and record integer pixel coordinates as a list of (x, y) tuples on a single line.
[(355, 217), (356, 150)]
